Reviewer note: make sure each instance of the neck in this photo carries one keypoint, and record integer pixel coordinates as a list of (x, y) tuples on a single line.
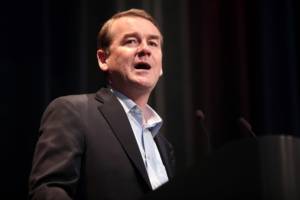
[(142, 101), (140, 97)]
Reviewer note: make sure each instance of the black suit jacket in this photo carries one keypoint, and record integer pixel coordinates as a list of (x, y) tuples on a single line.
[(87, 150)]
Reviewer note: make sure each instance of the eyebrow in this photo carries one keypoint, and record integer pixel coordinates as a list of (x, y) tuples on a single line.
[(152, 36)]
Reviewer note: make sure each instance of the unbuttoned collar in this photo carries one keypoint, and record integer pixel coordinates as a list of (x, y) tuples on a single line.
[(154, 122)]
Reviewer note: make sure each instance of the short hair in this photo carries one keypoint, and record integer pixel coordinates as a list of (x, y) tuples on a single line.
[(104, 37)]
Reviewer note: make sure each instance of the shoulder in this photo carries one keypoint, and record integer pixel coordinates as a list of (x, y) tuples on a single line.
[(75, 100), (69, 105), (79, 100)]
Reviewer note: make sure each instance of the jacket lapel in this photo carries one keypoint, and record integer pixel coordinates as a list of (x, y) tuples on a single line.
[(166, 153), (117, 119)]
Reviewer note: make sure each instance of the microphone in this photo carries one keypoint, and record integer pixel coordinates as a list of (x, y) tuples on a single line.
[(245, 125), (200, 115)]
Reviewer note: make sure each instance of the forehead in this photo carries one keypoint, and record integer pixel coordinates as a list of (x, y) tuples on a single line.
[(127, 25)]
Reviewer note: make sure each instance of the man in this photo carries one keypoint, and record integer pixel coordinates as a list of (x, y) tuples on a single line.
[(106, 145)]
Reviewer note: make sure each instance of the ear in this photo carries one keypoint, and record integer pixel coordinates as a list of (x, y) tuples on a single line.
[(161, 72), (102, 57)]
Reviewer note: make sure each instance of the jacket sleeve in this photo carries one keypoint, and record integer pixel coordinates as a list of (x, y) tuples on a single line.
[(57, 159)]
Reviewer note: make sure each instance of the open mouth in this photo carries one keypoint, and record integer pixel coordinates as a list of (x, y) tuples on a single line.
[(142, 65)]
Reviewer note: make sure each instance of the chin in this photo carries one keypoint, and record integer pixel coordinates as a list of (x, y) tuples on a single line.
[(144, 86)]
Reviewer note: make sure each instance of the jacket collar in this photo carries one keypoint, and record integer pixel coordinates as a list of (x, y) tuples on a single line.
[(116, 117)]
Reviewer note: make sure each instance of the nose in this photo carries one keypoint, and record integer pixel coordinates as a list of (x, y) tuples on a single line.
[(143, 49)]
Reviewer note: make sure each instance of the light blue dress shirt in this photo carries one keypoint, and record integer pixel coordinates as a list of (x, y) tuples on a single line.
[(144, 132)]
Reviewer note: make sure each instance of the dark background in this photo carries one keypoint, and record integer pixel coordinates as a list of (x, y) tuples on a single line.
[(228, 58)]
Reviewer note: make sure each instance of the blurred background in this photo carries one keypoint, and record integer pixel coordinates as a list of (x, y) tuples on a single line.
[(230, 59)]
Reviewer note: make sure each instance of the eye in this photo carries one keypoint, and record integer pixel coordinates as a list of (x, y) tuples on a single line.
[(153, 43), (130, 41)]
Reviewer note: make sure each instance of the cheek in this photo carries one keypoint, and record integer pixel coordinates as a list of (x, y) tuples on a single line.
[(158, 57), (158, 61), (119, 60), (124, 56)]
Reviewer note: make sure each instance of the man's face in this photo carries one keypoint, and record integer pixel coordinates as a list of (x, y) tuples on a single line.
[(134, 61)]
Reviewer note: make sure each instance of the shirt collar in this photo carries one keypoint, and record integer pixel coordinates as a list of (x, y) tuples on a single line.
[(154, 122)]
